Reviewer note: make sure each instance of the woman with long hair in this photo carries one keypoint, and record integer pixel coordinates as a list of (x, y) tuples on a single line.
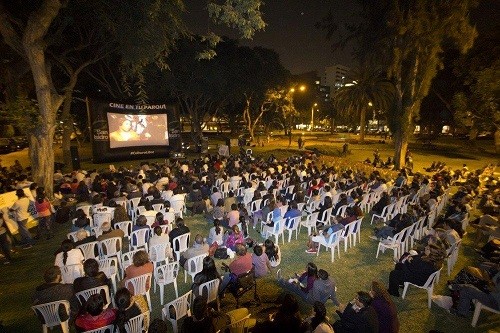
[(126, 308), (68, 255), (385, 308), (140, 265), (120, 215), (81, 221), (44, 209), (216, 234), (235, 237), (208, 273), (319, 322)]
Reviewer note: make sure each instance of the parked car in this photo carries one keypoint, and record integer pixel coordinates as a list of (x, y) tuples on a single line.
[(6, 146)]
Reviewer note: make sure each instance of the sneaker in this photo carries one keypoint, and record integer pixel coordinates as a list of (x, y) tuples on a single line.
[(313, 251), (27, 246), (373, 237)]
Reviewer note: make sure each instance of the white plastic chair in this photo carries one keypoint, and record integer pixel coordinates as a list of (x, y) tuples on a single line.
[(157, 207), (331, 243), (181, 308), (169, 216), (84, 295), (478, 306), (139, 239), (136, 324), (210, 289), (356, 235), (126, 260), (109, 266), (428, 285), (140, 284), (193, 266), (310, 223), (295, 224), (70, 272), (394, 243), (160, 253), (239, 326), (181, 243), (347, 235), (89, 249), (178, 207), (166, 274), (50, 314), (72, 235), (100, 218), (325, 218), (125, 226), (110, 247), (132, 205), (87, 209), (386, 212), (452, 256), (278, 230)]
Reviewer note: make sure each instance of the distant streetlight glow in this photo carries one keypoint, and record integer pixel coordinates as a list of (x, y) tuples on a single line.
[(312, 116)]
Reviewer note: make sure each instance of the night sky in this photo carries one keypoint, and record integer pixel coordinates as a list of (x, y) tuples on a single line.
[(290, 31)]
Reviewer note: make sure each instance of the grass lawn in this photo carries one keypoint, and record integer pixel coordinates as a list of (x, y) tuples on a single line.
[(353, 271)]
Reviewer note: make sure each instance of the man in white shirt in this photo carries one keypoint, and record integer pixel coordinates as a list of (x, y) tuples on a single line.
[(20, 209)]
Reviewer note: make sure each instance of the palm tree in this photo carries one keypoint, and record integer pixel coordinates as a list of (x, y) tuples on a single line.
[(368, 89)]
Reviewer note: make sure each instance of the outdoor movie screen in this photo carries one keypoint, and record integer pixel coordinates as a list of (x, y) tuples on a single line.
[(137, 130)]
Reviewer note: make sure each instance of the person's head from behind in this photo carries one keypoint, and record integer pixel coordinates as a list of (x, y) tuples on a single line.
[(289, 306), (234, 206), (94, 305), (179, 222), (319, 310), (67, 245), (269, 244), (198, 239), (312, 269), (81, 234), (322, 274), (140, 258), (158, 326), (123, 298), (52, 274), (363, 299), (379, 290), (91, 267), (141, 220), (241, 250), (200, 307), (159, 217), (20, 193), (209, 264), (257, 249), (236, 230), (157, 231)]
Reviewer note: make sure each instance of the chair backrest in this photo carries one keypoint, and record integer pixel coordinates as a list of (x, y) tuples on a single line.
[(126, 258), (167, 273), (240, 325), (210, 290), (125, 226), (349, 229), (312, 218), (169, 216), (357, 226), (255, 205), (160, 252), (334, 237), (135, 324), (293, 223), (157, 207), (50, 312), (70, 272), (140, 210), (181, 243), (140, 237), (195, 264), (110, 247), (181, 307), (108, 266), (133, 203), (150, 220), (84, 295), (100, 218), (89, 249), (87, 209), (141, 284), (430, 279)]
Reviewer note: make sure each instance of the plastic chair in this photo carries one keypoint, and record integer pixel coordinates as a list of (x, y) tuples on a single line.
[(140, 284), (160, 253), (126, 260), (84, 295), (157, 207), (166, 274), (181, 243), (295, 224), (394, 243), (110, 247), (478, 306), (384, 215), (178, 207), (348, 234), (139, 239), (310, 222), (89, 250), (136, 324), (50, 314), (72, 235), (109, 266), (100, 218), (356, 234), (70, 272), (452, 256), (428, 285), (169, 216), (331, 243), (125, 226), (181, 307), (210, 289), (194, 265), (132, 205), (240, 326)]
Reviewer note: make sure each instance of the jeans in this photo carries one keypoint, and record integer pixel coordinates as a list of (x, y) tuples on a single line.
[(467, 293), (44, 225), (24, 232), (5, 245)]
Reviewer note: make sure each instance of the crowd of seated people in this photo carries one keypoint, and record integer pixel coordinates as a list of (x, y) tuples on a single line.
[(200, 184)]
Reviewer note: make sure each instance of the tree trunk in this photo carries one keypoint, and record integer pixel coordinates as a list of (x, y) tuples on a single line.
[(401, 136), (67, 125), (41, 154), (362, 125)]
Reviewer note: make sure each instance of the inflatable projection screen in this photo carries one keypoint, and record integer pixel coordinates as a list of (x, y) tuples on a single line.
[(127, 131)]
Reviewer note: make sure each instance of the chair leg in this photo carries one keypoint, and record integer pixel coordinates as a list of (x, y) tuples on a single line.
[(477, 312), (378, 249), (176, 291), (148, 297), (430, 291), (161, 294), (405, 289), (64, 327)]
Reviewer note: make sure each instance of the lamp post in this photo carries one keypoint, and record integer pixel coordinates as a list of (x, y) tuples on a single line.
[(312, 116)]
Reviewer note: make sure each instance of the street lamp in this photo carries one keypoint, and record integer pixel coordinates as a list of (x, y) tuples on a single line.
[(312, 116), (301, 88)]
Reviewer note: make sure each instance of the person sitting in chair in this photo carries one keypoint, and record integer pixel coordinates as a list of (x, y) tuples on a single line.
[(240, 265)]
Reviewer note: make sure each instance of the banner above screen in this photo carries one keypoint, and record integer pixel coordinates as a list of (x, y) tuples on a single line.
[(126, 131)]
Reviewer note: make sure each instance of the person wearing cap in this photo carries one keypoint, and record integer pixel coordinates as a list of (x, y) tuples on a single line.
[(20, 210)]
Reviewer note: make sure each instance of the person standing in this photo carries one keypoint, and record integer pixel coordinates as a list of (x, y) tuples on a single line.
[(5, 241), (20, 209), (44, 209)]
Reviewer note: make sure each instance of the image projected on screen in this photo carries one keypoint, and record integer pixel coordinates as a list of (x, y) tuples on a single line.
[(132, 130)]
